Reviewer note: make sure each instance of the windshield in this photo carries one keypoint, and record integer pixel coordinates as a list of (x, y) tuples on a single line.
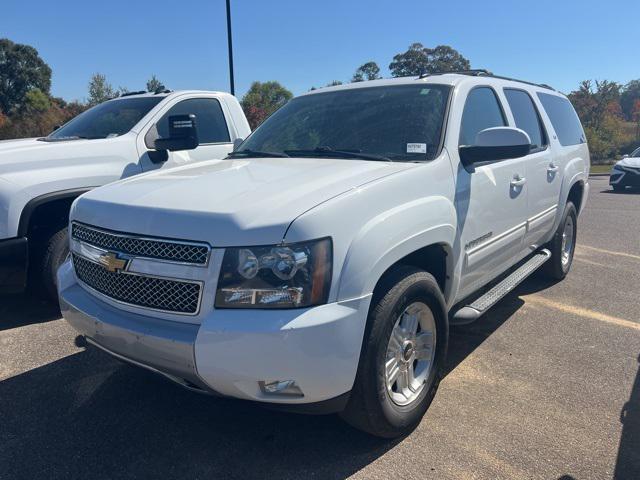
[(402, 122), (109, 119)]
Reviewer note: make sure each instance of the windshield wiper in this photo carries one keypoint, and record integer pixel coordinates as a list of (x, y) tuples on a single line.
[(330, 152), (246, 153)]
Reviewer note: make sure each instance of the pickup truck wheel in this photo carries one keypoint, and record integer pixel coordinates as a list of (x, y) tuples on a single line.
[(563, 244), (56, 251), (402, 356)]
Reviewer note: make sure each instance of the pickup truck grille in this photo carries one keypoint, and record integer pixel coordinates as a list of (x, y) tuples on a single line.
[(173, 296), (169, 250)]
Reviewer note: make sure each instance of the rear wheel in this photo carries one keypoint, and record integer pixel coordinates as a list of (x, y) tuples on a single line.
[(402, 357), (563, 244), (56, 251)]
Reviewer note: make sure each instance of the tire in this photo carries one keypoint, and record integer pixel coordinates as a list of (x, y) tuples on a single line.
[(56, 252), (373, 407), (557, 267)]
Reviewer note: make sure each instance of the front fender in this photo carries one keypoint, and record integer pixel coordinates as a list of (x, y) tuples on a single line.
[(392, 235)]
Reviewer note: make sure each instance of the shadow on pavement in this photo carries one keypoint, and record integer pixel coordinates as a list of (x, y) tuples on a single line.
[(90, 416), (21, 310), (628, 461)]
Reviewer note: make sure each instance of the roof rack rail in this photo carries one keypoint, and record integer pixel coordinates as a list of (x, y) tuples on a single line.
[(483, 72), (139, 92), (473, 72)]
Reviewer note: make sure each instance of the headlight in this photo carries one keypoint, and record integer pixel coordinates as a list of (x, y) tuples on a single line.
[(282, 276)]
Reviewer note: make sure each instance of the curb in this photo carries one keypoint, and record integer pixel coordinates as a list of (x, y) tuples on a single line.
[(598, 175)]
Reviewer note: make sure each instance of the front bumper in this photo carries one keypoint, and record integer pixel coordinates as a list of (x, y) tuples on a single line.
[(13, 264), (625, 178), (231, 352)]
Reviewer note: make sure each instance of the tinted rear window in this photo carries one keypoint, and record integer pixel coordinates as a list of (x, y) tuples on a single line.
[(564, 119)]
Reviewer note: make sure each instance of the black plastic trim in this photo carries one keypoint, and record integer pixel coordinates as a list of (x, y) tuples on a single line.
[(14, 262), (29, 208)]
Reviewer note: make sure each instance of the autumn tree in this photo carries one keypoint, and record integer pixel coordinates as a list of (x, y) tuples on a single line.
[(21, 70), (630, 94), (367, 71), (419, 59), (262, 99)]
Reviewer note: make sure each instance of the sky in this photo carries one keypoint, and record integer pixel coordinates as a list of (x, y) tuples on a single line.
[(303, 44)]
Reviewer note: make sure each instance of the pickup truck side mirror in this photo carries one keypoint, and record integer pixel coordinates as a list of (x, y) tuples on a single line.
[(494, 144), (183, 134)]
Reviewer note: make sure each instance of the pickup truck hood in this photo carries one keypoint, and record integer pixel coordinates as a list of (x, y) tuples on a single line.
[(226, 203), (28, 162), (633, 162)]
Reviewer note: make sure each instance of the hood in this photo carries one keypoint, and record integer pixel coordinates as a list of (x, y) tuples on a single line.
[(229, 202), (633, 162), (25, 162)]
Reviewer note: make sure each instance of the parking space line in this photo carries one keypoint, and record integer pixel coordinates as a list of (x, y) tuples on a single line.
[(589, 262), (581, 312), (609, 252)]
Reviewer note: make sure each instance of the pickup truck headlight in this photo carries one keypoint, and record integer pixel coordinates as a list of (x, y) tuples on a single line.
[(280, 276)]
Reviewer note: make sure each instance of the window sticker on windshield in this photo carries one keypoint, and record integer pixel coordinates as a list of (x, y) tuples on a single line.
[(416, 148)]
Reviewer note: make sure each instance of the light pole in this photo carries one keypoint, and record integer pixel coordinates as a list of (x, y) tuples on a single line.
[(229, 42)]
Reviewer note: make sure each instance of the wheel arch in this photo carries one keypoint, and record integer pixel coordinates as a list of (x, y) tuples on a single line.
[(51, 205)]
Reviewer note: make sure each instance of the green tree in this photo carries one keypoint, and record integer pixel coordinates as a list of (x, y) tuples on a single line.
[(334, 83), (36, 101), (100, 90), (154, 85), (21, 70), (419, 59), (630, 94), (367, 71), (262, 99)]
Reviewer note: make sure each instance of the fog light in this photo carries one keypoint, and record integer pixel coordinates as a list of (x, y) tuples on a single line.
[(285, 388)]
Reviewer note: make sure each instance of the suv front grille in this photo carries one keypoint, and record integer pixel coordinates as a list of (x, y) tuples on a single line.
[(172, 296), (169, 250)]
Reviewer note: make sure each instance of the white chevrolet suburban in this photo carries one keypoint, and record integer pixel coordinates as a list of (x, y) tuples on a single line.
[(40, 177), (320, 265)]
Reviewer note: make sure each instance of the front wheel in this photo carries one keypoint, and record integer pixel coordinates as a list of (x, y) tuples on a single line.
[(402, 357), (563, 244), (57, 249)]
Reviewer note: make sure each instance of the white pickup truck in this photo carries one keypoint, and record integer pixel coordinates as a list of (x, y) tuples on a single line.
[(320, 266), (40, 177)]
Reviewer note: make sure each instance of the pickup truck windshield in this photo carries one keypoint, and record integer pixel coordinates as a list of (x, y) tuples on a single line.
[(399, 123), (109, 119)]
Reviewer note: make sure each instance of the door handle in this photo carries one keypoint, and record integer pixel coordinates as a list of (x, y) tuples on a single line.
[(552, 168), (518, 181)]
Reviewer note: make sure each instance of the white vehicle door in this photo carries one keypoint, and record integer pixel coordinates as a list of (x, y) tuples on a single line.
[(214, 134), (491, 200), (543, 173)]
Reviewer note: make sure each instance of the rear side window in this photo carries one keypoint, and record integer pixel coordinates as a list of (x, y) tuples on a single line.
[(526, 115), (564, 119), (481, 111), (212, 127)]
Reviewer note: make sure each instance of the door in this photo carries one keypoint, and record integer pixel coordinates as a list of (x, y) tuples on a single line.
[(543, 173), (213, 133), (491, 202)]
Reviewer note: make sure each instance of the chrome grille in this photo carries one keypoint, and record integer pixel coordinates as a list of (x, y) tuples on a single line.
[(142, 247), (140, 290)]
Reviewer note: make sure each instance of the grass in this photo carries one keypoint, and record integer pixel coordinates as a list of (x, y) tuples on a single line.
[(600, 168)]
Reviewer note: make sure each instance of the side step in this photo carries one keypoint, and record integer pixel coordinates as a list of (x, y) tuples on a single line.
[(470, 313)]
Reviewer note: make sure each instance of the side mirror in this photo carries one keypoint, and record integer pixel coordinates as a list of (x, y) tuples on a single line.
[(237, 142), (626, 155), (494, 144), (183, 134)]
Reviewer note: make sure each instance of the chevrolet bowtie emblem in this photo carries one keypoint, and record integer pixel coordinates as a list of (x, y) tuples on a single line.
[(111, 262)]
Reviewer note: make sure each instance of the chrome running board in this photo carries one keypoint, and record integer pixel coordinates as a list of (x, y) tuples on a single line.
[(470, 313)]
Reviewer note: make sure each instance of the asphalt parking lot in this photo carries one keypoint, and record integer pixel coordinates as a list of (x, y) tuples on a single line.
[(547, 385)]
